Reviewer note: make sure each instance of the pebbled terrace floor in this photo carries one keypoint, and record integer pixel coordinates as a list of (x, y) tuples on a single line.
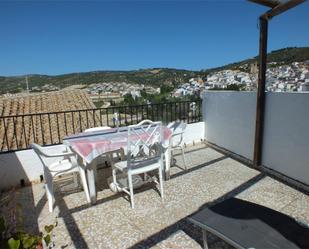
[(111, 223)]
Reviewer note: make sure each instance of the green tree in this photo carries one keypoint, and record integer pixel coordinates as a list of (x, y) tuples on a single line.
[(231, 87), (100, 92), (128, 99), (166, 89)]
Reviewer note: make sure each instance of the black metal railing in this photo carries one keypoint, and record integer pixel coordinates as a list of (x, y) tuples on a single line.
[(17, 132)]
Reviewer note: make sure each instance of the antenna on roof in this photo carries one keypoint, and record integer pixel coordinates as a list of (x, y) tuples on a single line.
[(27, 84)]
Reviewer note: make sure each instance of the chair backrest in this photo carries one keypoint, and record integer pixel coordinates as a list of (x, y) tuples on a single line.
[(47, 157), (182, 126), (38, 149), (41, 154), (178, 128), (100, 128), (144, 143)]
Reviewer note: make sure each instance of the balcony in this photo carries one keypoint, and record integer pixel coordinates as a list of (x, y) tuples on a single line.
[(111, 223), (214, 174)]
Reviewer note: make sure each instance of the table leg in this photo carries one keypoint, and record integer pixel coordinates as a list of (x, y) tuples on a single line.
[(91, 183), (167, 155), (205, 244)]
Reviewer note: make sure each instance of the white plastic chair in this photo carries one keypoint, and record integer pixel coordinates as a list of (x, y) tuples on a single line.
[(144, 154), (178, 129), (64, 162)]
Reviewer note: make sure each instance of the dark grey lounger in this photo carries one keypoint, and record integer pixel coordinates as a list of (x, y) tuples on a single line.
[(244, 224)]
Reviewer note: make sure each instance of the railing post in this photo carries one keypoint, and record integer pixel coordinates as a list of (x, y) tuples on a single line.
[(58, 129), (6, 135), (50, 129)]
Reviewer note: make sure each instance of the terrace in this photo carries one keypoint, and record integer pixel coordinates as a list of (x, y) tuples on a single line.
[(237, 147), (111, 223), (219, 147)]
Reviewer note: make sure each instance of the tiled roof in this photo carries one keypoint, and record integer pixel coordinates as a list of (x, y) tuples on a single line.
[(19, 132), (45, 102)]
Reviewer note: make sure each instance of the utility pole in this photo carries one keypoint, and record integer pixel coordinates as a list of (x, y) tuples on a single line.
[(27, 84)]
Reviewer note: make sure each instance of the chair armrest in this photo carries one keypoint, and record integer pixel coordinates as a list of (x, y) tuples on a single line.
[(44, 153), (178, 143), (61, 155), (177, 134)]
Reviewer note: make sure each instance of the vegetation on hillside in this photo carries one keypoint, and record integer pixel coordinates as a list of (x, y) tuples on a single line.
[(163, 97), (154, 76), (231, 87), (281, 56)]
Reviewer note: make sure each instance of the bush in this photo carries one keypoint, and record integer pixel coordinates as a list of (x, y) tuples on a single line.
[(12, 235)]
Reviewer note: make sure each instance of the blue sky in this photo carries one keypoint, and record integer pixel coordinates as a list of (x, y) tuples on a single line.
[(54, 37)]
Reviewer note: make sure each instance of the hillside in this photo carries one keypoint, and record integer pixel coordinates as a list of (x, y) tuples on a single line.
[(281, 56), (154, 76)]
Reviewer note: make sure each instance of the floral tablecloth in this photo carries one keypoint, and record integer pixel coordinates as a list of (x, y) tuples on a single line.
[(90, 145)]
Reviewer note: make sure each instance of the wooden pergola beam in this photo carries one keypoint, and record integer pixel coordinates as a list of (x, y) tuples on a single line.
[(282, 8), (267, 3), (260, 101)]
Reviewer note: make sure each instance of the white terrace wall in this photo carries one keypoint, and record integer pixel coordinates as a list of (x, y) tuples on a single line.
[(194, 133), (286, 135), (19, 165), (25, 164), (230, 123), (229, 120)]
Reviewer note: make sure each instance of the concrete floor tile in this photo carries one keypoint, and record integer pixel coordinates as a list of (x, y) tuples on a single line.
[(112, 223)]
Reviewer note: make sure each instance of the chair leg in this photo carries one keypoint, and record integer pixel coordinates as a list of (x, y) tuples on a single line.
[(183, 157), (131, 190), (84, 182), (172, 159), (205, 244), (95, 171), (108, 159), (115, 183), (114, 173), (161, 183), (145, 177), (50, 195), (75, 179)]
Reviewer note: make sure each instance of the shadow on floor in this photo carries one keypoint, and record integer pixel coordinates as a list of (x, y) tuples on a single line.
[(186, 226), (244, 222), (183, 172), (14, 179)]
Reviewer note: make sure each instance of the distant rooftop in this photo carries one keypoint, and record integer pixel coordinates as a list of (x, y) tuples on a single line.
[(20, 131), (45, 102)]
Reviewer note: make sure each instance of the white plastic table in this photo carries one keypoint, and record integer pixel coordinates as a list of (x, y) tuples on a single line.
[(90, 145)]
